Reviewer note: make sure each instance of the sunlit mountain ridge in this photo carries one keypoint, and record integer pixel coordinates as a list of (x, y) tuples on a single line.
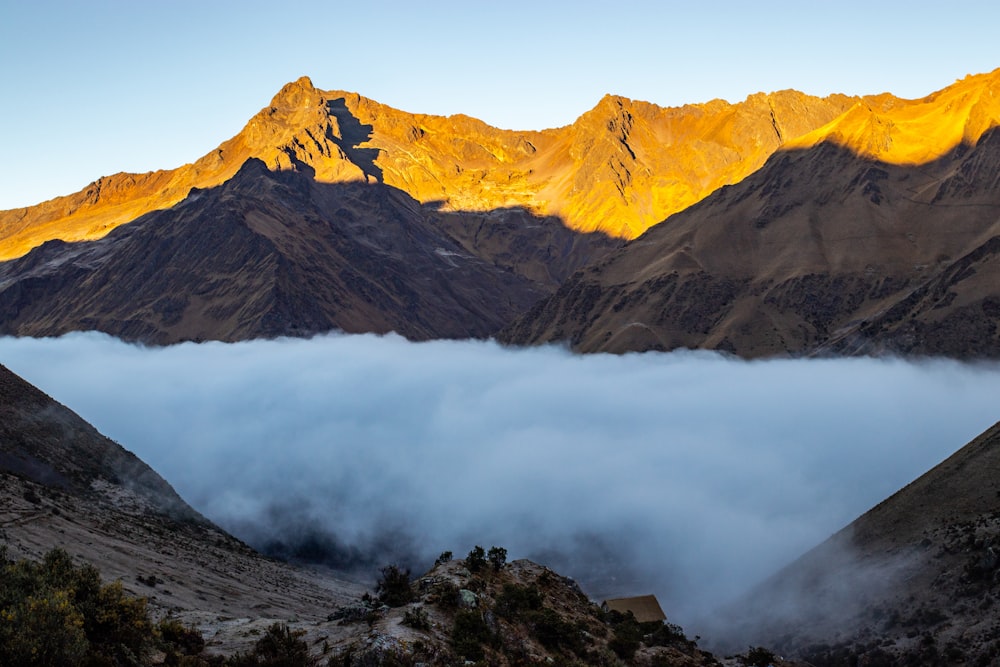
[(620, 168), (782, 224), (914, 132)]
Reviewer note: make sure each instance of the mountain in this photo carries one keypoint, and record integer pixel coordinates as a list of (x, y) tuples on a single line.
[(914, 581), (275, 253), (787, 224), (876, 232), (66, 485), (332, 211), (620, 168)]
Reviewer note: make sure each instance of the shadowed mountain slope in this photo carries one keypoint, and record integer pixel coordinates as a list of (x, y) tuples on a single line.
[(277, 253), (914, 581), (820, 251), (63, 484)]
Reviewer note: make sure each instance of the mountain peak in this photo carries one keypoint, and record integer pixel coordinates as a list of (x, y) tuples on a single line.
[(912, 132), (293, 91), (298, 93)]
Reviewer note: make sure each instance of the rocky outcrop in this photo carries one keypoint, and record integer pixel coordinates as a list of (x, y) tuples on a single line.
[(510, 614)]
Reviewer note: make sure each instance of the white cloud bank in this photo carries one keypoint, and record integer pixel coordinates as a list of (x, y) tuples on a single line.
[(687, 475)]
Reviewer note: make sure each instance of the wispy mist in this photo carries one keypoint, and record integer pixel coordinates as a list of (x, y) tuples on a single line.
[(688, 475)]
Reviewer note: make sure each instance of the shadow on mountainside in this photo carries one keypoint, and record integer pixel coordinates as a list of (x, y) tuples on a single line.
[(819, 251), (271, 254), (353, 134)]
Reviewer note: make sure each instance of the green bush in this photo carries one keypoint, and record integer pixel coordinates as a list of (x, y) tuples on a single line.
[(446, 594), (279, 647), (470, 634), (552, 631), (627, 634), (42, 629), (497, 556), (663, 634), (476, 560), (514, 600), (55, 613), (393, 587)]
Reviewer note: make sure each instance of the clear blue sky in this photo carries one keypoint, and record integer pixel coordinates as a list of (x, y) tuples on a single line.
[(93, 88)]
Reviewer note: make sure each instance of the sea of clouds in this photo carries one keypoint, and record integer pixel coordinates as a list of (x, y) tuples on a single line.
[(688, 475)]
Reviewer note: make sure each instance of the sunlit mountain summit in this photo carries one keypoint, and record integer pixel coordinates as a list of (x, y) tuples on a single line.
[(782, 224)]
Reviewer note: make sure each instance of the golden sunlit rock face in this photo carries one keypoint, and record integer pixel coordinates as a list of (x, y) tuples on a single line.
[(840, 215), (913, 132), (620, 168)]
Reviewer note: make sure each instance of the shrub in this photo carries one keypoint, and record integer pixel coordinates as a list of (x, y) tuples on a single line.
[(446, 594), (118, 626), (665, 634), (54, 612), (514, 600), (417, 619), (552, 631), (476, 560), (497, 557), (758, 656), (469, 635), (627, 635), (180, 639), (393, 587), (445, 557), (279, 647), (44, 629)]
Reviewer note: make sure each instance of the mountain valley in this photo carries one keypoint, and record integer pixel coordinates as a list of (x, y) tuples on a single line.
[(785, 225)]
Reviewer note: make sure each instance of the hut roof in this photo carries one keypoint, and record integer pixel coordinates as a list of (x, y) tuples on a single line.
[(645, 608)]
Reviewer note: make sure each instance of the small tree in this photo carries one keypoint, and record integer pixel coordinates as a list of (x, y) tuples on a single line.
[(394, 587), (279, 647), (758, 656), (476, 560), (497, 557)]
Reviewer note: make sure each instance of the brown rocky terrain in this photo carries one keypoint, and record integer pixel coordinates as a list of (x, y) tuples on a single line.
[(65, 485), (835, 225), (846, 241), (914, 581)]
